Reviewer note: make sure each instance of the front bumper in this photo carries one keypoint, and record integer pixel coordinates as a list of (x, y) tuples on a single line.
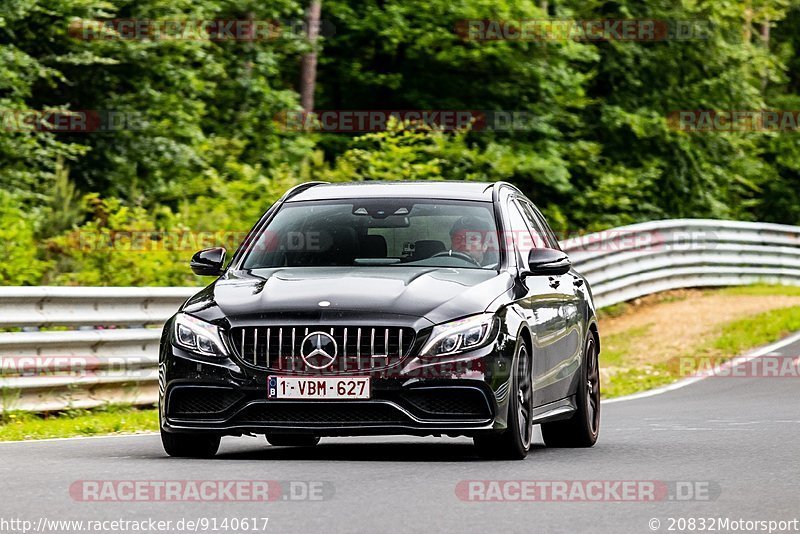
[(464, 396)]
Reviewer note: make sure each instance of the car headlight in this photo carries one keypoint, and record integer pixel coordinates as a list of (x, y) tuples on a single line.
[(461, 336), (198, 336)]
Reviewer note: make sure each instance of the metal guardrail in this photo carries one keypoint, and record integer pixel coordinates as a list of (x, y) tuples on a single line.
[(86, 365), (110, 351), (88, 306), (641, 259)]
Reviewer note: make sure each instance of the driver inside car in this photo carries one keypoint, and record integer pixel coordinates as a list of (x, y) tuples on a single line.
[(469, 236)]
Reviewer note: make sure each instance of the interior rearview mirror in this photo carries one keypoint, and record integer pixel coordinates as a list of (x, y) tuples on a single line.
[(547, 262), (208, 262)]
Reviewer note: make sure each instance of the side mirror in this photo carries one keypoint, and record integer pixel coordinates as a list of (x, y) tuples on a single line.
[(208, 262), (547, 262)]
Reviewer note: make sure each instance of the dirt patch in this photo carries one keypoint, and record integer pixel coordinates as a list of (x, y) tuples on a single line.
[(656, 328)]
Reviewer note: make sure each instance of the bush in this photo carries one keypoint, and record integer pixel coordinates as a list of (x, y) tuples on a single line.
[(21, 263), (122, 246)]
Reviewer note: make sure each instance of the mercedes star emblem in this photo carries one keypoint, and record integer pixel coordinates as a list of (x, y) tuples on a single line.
[(318, 350)]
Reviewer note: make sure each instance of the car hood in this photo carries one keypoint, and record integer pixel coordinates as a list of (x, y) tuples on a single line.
[(435, 294)]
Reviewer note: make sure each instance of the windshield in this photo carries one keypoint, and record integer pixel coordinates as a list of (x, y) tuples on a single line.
[(370, 232)]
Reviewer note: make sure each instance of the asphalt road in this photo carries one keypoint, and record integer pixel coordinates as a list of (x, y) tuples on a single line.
[(734, 441)]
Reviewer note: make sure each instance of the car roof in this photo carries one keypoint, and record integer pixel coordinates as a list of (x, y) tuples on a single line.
[(452, 190)]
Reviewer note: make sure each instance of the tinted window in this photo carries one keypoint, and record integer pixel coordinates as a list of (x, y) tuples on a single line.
[(524, 240), (539, 226), (371, 232)]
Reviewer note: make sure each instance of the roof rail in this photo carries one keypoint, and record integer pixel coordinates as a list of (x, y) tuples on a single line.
[(299, 188), (499, 185)]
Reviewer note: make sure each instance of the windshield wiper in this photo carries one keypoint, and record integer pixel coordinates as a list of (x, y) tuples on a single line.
[(376, 261)]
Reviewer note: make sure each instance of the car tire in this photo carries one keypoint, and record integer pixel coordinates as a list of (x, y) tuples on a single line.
[(186, 445), (292, 441), (514, 442), (582, 429)]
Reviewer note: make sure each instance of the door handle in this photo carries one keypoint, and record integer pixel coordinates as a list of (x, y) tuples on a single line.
[(554, 283), (578, 282)]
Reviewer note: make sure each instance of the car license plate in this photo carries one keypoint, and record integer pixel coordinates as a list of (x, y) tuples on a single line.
[(318, 388)]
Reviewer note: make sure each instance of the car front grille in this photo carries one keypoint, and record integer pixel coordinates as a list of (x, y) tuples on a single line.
[(358, 348)]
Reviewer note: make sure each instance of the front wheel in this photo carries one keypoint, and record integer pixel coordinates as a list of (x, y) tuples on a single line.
[(582, 429), (515, 441), (184, 445)]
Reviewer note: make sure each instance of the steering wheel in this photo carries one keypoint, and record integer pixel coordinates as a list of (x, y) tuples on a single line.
[(459, 255)]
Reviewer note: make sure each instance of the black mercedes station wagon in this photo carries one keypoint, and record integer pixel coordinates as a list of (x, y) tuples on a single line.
[(422, 308)]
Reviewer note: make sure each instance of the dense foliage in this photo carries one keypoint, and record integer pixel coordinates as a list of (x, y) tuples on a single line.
[(204, 149)]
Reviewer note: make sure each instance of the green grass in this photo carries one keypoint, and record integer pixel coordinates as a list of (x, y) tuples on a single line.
[(744, 334), (615, 310), (732, 339), (758, 290), (635, 380), (16, 426), (617, 348)]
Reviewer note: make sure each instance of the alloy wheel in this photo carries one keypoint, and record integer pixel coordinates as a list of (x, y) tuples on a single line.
[(524, 397), (592, 386)]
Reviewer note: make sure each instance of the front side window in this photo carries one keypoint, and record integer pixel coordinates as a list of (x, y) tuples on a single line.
[(370, 232), (524, 239), (538, 225)]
